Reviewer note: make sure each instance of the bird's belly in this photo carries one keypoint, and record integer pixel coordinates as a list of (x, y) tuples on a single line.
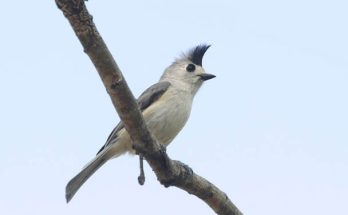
[(167, 120)]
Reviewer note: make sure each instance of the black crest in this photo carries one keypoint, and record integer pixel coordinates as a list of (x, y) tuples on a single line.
[(197, 53)]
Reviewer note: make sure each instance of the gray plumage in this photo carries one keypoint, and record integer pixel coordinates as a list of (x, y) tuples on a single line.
[(149, 96), (165, 106)]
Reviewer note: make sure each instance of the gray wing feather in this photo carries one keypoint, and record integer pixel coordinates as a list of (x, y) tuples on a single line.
[(151, 94), (148, 97)]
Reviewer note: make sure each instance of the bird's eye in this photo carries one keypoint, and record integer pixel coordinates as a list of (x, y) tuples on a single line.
[(191, 67)]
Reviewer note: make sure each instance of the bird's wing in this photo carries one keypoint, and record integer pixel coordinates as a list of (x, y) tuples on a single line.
[(148, 97)]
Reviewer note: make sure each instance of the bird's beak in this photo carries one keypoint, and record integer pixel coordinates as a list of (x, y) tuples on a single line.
[(206, 76)]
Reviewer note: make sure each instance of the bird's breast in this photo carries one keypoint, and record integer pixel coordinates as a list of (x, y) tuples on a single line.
[(167, 116)]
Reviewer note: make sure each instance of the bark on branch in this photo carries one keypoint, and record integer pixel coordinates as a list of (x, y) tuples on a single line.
[(168, 171)]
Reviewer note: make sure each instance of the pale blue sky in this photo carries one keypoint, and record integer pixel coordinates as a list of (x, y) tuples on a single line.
[(270, 130)]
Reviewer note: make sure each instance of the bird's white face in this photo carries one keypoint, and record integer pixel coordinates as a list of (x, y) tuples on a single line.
[(184, 70), (187, 73)]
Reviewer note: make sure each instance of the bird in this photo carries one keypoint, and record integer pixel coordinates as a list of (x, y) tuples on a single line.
[(166, 107)]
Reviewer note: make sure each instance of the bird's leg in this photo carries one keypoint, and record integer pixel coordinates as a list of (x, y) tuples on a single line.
[(141, 178)]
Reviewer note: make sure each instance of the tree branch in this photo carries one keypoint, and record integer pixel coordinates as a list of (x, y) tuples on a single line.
[(168, 171)]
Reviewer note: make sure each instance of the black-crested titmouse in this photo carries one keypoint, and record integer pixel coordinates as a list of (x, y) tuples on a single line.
[(165, 106)]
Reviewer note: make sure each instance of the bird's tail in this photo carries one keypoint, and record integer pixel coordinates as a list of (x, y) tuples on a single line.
[(75, 183)]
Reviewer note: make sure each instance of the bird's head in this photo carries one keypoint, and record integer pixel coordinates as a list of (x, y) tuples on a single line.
[(188, 69)]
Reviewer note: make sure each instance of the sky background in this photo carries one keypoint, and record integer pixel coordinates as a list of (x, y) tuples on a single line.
[(271, 130)]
